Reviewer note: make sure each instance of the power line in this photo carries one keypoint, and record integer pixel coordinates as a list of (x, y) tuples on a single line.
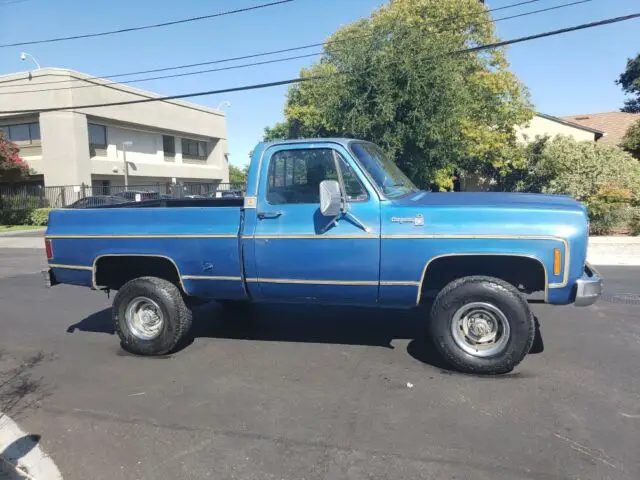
[(12, 2), (199, 72), (599, 23), (232, 67), (171, 97), (284, 50), (146, 27), (488, 46)]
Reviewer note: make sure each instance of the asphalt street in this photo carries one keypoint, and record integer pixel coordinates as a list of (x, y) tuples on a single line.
[(284, 392)]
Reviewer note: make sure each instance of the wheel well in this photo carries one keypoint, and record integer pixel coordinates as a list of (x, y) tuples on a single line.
[(114, 271), (525, 273)]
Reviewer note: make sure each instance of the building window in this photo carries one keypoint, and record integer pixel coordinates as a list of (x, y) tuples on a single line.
[(194, 149), (169, 145), (22, 134), (100, 187), (97, 136)]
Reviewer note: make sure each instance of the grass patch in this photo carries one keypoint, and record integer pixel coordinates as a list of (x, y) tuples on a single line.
[(13, 228)]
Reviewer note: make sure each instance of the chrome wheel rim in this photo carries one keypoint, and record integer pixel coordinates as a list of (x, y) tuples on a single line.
[(144, 318), (480, 329)]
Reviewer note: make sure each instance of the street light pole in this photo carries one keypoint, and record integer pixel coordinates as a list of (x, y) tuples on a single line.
[(126, 165), (24, 55)]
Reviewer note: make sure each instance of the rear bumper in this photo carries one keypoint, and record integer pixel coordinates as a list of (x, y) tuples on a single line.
[(49, 278), (588, 287)]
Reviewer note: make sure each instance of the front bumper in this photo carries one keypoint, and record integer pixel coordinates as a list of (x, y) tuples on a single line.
[(588, 287)]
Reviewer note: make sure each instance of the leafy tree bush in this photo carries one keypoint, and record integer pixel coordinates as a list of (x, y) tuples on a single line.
[(391, 79), (40, 217), (629, 80), (16, 210), (12, 166), (237, 176), (631, 140), (634, 222), (605, 178)]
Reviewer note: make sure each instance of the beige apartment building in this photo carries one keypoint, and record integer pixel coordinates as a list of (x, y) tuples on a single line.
[(165, 141), (547, 125)]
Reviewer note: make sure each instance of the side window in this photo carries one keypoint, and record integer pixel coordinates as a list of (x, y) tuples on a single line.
[(295, 176)]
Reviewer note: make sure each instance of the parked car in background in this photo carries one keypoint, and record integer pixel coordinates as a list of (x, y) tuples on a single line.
[(139, 195), (98, 201), (227, 194)]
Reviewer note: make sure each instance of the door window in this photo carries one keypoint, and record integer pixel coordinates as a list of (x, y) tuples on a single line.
[(295, 176)]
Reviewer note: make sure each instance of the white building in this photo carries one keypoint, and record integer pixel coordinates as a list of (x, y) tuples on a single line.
[(170, 139)]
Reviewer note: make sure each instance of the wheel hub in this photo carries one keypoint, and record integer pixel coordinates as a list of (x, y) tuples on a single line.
[(480, 329), (144, 318)]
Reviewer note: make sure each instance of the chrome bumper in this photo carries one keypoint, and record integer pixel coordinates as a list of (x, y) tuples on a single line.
[(588, 288)]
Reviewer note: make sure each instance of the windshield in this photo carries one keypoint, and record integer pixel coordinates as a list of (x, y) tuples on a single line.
[(385, 173)]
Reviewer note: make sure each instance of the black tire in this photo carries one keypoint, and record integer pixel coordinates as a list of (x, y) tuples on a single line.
[(498, 294), (175, 313)]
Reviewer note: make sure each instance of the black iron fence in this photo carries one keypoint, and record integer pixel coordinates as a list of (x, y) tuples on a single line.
[(26, 198)]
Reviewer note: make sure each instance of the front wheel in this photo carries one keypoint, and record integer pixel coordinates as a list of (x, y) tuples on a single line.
[(150, 316), (482, 325)]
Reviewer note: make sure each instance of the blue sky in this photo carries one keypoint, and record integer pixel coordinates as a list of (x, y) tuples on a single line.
[(568, 74)]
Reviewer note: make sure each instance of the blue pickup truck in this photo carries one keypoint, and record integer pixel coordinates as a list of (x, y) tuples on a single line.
[(333, 221)]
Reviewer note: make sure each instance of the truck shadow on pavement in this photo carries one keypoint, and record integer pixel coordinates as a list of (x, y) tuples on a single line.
[(307, 324)]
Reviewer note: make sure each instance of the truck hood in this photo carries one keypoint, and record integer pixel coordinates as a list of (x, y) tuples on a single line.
[(526, 201)]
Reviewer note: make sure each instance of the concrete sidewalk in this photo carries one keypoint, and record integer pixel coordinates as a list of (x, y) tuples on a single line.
[(37, 232), (602, 250), (614, 251)]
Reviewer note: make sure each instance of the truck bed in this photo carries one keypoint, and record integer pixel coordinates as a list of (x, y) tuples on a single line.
[(200, 240)]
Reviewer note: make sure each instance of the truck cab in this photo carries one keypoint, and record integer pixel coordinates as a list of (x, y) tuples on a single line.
[(334, 221)]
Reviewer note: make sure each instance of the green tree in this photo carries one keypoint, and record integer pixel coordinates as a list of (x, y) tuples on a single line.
[(631, 140), (237, 175), (391, 79), (629, 80)]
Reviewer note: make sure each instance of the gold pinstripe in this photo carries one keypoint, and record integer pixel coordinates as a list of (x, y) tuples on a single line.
[(312, 236), (314, 282), (160, 235), (213, 277)]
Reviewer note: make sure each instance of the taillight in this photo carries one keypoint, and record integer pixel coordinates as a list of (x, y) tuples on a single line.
[(49, 248)]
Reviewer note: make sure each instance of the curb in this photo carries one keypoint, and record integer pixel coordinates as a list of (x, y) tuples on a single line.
[(22, 455), (14, 233), (614, 241)]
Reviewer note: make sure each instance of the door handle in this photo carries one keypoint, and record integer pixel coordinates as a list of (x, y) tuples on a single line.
[(275, 214)]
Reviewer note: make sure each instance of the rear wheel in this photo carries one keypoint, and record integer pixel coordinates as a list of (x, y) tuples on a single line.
[(482, 325), (150, 316)]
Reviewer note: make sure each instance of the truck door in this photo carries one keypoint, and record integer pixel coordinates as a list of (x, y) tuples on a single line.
[(298, 254)]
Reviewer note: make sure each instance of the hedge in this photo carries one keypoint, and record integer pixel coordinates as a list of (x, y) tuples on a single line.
[(40, 217)]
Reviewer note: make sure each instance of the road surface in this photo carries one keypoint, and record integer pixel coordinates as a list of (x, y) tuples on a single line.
[(318, 393)]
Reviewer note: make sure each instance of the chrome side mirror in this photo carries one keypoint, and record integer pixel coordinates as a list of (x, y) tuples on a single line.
[(330, 198)]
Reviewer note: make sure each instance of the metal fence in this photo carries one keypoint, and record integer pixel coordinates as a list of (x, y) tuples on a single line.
[(31, 196)]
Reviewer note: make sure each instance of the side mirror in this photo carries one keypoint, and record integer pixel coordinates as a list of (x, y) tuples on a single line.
[(330, 198)]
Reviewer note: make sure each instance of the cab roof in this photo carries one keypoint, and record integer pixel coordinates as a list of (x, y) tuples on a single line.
[(340, 141)]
